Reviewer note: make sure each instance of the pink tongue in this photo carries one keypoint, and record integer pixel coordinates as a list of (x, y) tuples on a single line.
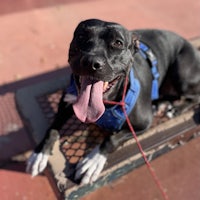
[(89, 105)]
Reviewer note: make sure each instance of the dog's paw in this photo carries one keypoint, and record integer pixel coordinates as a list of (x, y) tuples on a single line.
[(36, 163), (164, 109), (89, 169)]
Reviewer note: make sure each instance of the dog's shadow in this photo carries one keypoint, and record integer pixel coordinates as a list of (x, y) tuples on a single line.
[(196, 116)]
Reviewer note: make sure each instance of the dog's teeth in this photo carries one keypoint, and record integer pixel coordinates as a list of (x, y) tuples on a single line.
[(105, 86)]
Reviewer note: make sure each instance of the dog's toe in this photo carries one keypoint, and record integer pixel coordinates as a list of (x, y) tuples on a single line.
[(36, 163), (90, 167)]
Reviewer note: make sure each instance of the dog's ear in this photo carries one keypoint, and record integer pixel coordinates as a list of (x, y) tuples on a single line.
[(135, 43)]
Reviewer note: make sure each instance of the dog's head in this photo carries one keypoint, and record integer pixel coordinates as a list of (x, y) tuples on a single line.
[(100, 56)]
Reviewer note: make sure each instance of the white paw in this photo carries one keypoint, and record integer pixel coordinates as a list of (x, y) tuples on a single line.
[(171, 111), (36, 163), (90, 167)]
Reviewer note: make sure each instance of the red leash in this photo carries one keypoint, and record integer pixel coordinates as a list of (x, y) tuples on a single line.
[(152, 172)]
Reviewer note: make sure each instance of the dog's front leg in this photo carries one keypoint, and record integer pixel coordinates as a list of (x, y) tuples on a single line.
[(39, 158), (89, 169)]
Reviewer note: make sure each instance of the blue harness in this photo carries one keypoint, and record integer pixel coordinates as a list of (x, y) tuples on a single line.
[(147, 53), (113, 118)]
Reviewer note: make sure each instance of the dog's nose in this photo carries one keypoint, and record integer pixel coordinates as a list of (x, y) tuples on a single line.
[(97, 64), (93, 62)]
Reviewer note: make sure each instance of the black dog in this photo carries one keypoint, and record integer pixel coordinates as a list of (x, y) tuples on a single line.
[(102, 55)]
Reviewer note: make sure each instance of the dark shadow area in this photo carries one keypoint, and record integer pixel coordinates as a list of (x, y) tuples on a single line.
[(15, 166), (13, 86), (15, 134), (18, 166), (196, 116), (14, 143)]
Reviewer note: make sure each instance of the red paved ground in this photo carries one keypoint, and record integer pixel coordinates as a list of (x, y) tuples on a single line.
[(34, 39), (174, 171), (16, 185)]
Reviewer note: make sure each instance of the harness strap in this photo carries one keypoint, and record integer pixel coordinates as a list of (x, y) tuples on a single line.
[(113, 118), (147, 53)]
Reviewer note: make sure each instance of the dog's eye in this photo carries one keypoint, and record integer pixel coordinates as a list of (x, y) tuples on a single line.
[(117, 44)]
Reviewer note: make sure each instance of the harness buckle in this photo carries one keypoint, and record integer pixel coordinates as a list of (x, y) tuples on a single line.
[(151, 56)]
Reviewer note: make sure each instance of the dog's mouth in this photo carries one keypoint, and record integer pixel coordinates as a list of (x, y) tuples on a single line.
[(89, 105), (108, 85)]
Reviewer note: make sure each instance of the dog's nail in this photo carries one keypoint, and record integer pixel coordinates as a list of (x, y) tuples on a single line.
[(85, 180)]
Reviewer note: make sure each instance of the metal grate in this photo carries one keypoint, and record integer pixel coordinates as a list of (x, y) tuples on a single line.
[(77, 138), (9, 121)]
